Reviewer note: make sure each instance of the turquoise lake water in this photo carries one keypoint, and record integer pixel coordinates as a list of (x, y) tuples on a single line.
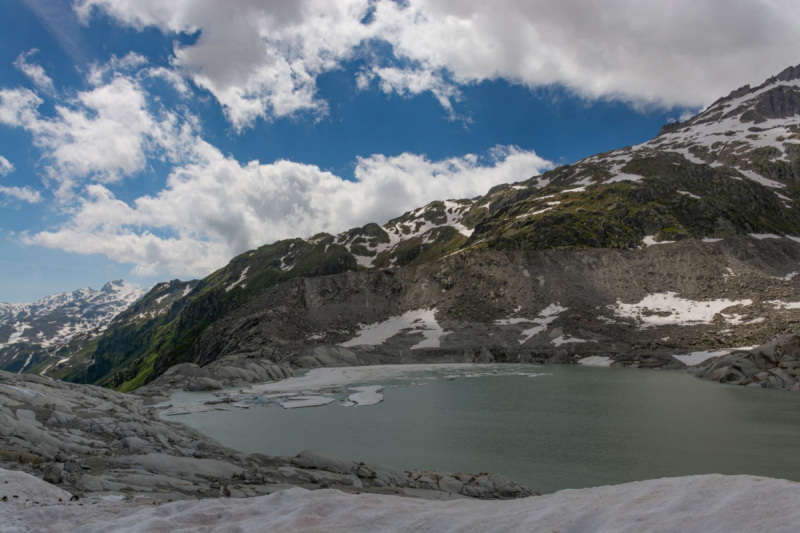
[(575, 427)]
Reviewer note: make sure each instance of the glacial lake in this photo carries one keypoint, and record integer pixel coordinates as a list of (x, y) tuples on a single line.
[(572, 427)]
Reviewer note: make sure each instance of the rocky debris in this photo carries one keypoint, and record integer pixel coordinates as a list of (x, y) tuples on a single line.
[(774, 365), (89, 440)]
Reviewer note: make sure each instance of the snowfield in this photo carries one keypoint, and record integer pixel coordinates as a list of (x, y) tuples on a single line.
[(417, 321), (707, 504), (661, 309)]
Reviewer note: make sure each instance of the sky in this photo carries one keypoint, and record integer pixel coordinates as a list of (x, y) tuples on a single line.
[(150, 140)]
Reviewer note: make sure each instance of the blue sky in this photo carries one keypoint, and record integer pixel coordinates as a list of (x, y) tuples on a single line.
[(149, 141)]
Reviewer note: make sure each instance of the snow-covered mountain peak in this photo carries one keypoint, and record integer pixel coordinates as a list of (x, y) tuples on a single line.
[(53, 321)]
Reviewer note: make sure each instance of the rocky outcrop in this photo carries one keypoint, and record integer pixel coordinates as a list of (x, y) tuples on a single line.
[(226, 372), (86, 439), (774, 365)]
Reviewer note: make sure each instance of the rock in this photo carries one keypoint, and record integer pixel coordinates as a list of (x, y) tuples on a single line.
[(448, 484), (324, 461), (52, 473), (203, 384)]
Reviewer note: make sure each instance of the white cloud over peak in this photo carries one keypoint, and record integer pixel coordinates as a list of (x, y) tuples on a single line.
[(261, 59), (217, 207)]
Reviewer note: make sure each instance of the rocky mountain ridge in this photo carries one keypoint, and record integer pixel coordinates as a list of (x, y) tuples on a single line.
[(580, 237), (32, 333)]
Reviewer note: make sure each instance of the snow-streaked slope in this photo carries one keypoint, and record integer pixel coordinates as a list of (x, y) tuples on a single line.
[(744, 131), (707, 504), (55, 320), (420, 223)]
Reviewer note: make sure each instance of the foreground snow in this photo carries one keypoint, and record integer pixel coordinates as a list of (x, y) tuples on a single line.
[(711, 503)]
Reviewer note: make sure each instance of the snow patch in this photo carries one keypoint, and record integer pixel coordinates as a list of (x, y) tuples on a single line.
[(242, 277), (784, 305), (419, 320), (690, 195), (649, 240), (21, 487), (566, 339), (695, 358), (546, 316), (662, 309)]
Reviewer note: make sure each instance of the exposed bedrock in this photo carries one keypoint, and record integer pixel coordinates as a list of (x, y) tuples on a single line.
[(639, 307), (774, 365), (87, 439)]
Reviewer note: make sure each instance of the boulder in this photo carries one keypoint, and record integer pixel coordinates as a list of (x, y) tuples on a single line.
[(324, 461), (52, 473)]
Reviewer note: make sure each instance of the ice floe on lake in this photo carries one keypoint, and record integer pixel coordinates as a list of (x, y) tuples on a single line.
[(369, 395), (354, 386)]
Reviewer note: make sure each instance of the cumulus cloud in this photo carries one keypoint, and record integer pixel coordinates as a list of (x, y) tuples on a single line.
[(101, 135), (261, 59), (409, 81), (6, 167), (23, 194), (217, 207), (35, 72)]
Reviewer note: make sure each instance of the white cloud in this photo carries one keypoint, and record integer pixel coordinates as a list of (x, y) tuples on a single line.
[(216, 207), (24, 194), (6, 167), (261, 59), (102, 135), (35, 72), (412, 82)]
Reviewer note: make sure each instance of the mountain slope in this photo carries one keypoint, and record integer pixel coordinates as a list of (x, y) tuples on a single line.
[(30, 334), (730, 173)]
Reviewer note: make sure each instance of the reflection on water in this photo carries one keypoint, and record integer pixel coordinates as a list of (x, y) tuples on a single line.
[(575, 427)]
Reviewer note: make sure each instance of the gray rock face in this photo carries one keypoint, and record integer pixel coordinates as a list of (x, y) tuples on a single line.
[(774, 365), (485, 304), (88, 439)]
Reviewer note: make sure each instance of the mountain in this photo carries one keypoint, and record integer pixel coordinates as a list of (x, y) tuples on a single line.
[(683, 244), (37, 336)]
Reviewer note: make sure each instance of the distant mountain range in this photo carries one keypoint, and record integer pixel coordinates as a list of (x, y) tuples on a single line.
[(35, 336), (559, 265)]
